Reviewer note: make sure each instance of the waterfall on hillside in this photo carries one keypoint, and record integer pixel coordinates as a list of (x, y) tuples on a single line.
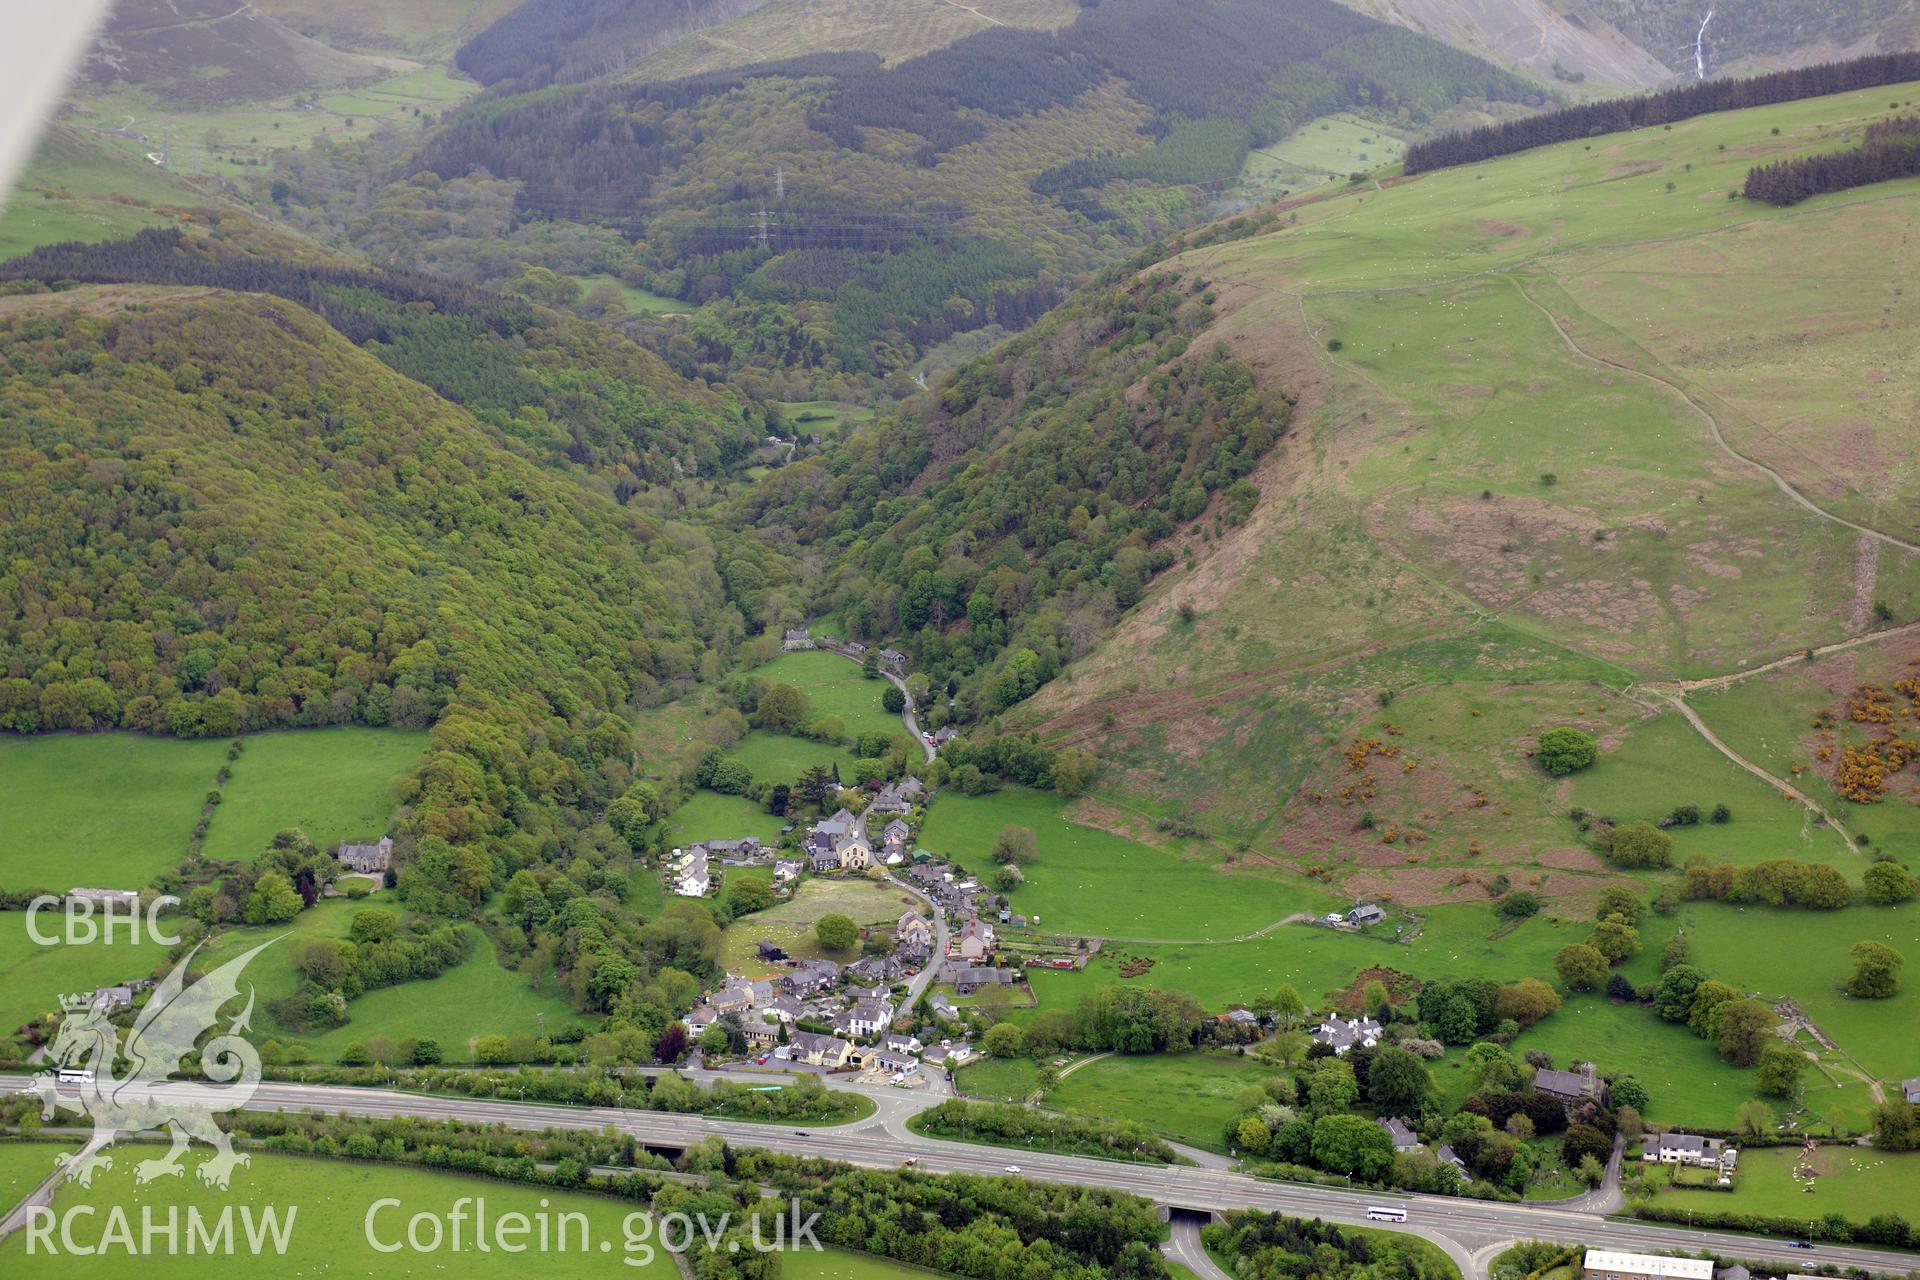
[(1700, 46)]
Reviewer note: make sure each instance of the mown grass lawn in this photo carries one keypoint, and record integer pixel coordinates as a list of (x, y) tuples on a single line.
[(998, 1079), (334, 784), (835, 686), (1855, 1181), (1187, 1097), (635, 298), (107, 810), (1089, 881), (329, 1202)]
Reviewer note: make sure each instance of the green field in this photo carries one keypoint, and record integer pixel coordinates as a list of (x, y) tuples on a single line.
[(999, 1079), (475, 998), (1329, 149), (775, 757), (23, 1165), (82, 187), (33, 977), (1803, 954), (835, 686), (636, 298), (328, 1202), (1187, 1097), (1686, 1081), (789, 925), (334, 784), (825, 418), (1663, 763), (1856, 1182), (1090, 881), (103, 810), (708, 815)]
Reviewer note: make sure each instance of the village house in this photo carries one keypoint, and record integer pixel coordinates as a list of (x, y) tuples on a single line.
[(948, 1053), (902, 1044), (1572, 1086), (817, 1050), (1603, 1264), (976, 939), (701, 1018), (1447, 1155), (1404, 1139), (870, 1017), (810, 977), (871, 970), (1910, 1088), (966, 981), (786, 872), (760, 1035), (1366, 913), (796, 638), (912, 924), (893, 660), (732, 999), (366, 859), (105, 897), (1341, 1034), (943, 735), (1690, 1149), (943, 1007), (747, 848), (897, 1065), (114, 999), (782, 1008), (690, 876)]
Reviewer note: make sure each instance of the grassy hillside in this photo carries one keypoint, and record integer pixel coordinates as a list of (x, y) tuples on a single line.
[(82, 187)]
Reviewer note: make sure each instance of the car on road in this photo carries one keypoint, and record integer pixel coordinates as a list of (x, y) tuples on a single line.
[(1013, 1168), (760, 1061), (1800, 1244), (908, 1163), (801, 1133)]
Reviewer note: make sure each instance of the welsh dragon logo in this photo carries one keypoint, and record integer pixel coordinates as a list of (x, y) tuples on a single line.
[(146, 1097)]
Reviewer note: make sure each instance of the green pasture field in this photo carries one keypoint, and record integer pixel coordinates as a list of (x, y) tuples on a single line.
[(1187, 1097), (835, 686), (789, 925), (24, 1165), (329, 1202), (334, 784), (1803, 954), (1686, 1081), (1328, 149), (1856, 1182), (1089, 881), (823, 417), (635, 298), (33, 977), (708, 815), (775, 757), (1662, 764), (104, 810), (82, 187)]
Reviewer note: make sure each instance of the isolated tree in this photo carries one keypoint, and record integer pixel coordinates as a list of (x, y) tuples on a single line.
[(892, 700), (1703, 1015), (1641, 844), (1744, 1028), (1887, 883), (1626, 1091), (1004, 1040), (1288, 1008), (748, 894), (1779, 1071), (1252, 1135), (1580, 966), (1615, 938), (782, 709), (1563, 750), (836, 932), (1620, 900), (1526, 1001), (1673, 998), (1876, 970), (274, 901), (1015, 844), (1754, 1118)]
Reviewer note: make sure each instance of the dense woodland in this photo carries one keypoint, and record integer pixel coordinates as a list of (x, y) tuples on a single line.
[(563, 387), (1890, 149), (1616, 115), (225, 517), (879, 166), (998, 530), (1267, 1246), (543, 41)]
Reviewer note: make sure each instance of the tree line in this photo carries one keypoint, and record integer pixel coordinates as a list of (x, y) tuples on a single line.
[(1668, 106), (1890, 149)]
